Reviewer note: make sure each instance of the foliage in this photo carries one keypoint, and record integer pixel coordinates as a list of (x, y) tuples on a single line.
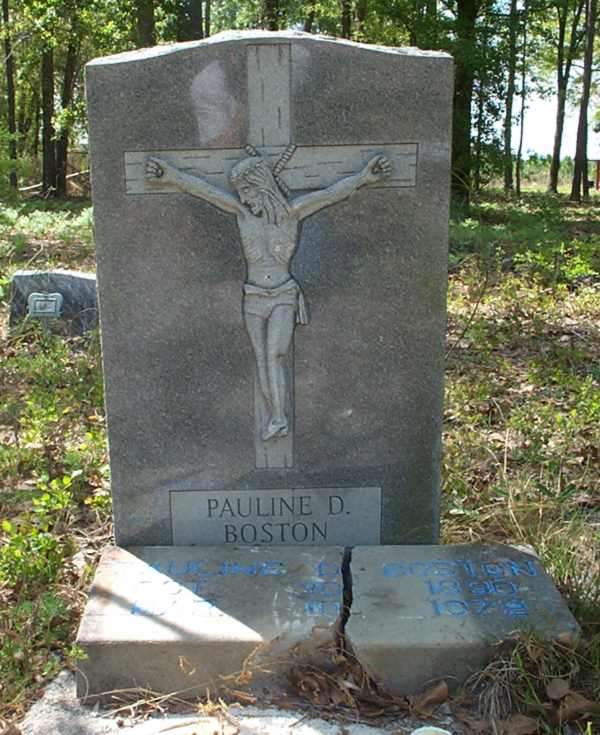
[(522, 432), (54, 502)]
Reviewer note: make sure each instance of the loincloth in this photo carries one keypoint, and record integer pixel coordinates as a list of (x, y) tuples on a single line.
[(261, 302)]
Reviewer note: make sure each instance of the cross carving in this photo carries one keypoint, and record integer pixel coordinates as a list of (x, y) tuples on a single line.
[(328, 173)]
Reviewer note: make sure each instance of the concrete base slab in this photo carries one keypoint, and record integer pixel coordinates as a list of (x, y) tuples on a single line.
[(181, 619), (59, 712), (423, 613)]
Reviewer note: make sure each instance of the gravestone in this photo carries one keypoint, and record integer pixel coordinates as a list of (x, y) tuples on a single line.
[(61, 299), (271, 219), (187, 619), (445, 608)]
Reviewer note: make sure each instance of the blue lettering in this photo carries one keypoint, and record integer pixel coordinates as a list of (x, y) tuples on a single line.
[(504, 587), (172, 570), (444, 586), (329, 569), (516, 608), (443, 568), (528, 568), (193, 567), (231, 569), (326, 589), (481, 588), (481, 606), (272, 568), (456, 608), (394, 569), (469, 568)]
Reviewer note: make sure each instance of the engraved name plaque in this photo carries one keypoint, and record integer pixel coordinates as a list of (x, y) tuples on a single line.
[(44, 304), (305, 516)]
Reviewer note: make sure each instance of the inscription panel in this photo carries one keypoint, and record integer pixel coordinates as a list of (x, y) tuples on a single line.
[(287, 517)]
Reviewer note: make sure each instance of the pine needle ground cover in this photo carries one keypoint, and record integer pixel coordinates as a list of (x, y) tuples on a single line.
[(521, 443)]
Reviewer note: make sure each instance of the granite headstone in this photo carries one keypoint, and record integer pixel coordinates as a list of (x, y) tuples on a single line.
[(60, 298), (271, 216)]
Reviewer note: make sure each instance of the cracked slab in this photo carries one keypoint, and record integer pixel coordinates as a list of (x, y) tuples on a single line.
[(176, 619), (423, 613)]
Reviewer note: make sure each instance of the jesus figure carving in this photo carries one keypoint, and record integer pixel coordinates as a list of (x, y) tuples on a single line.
[(269, 226)]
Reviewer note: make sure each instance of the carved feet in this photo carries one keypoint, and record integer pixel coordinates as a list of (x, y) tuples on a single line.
[(275, 428)]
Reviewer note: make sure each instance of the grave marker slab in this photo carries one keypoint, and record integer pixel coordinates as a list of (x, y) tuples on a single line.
[(182, 619), (440, 610), (309, 361), (61, 298)]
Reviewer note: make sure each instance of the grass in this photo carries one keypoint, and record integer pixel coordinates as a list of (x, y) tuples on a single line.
[(521, 435)]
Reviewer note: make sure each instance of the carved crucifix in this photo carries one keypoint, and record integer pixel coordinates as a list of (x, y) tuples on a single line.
[(269, 222)]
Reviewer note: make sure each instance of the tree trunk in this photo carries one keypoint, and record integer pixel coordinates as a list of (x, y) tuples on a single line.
[(271, 15), (510, 94), (523, 101), (10, 96), (24, 121), (206, 18), (189, 20), (35, 140), (62, 144), (310, 17), (580, 172), (361, 17), (145, 23), (563, 73), (479, 140), (432, 25), (467, 11), (346, 18), (48, 144)]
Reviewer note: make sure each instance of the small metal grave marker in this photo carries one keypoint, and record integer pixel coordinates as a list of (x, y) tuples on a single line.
[(44, 304)]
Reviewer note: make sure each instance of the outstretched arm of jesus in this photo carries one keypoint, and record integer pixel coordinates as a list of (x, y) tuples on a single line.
[(376, 169), (159, 171)]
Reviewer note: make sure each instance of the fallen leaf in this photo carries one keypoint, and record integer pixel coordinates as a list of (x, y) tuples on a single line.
[(473, 725), (426, 703), (242, 696), (557, 689), (520, 725), (574, 705)]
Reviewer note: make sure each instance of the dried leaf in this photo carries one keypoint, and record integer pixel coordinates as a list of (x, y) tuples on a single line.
[(473, 725), (520, 725), (242, 696), (426, 703), (574, 705), (557, 689)]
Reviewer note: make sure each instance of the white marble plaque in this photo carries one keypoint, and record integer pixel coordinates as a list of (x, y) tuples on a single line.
[(305, 517)]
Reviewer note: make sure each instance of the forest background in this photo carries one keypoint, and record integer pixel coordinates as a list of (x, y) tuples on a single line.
[(506, 52)]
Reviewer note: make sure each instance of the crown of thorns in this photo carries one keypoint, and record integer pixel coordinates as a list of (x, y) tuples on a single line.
[(278, 166)]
